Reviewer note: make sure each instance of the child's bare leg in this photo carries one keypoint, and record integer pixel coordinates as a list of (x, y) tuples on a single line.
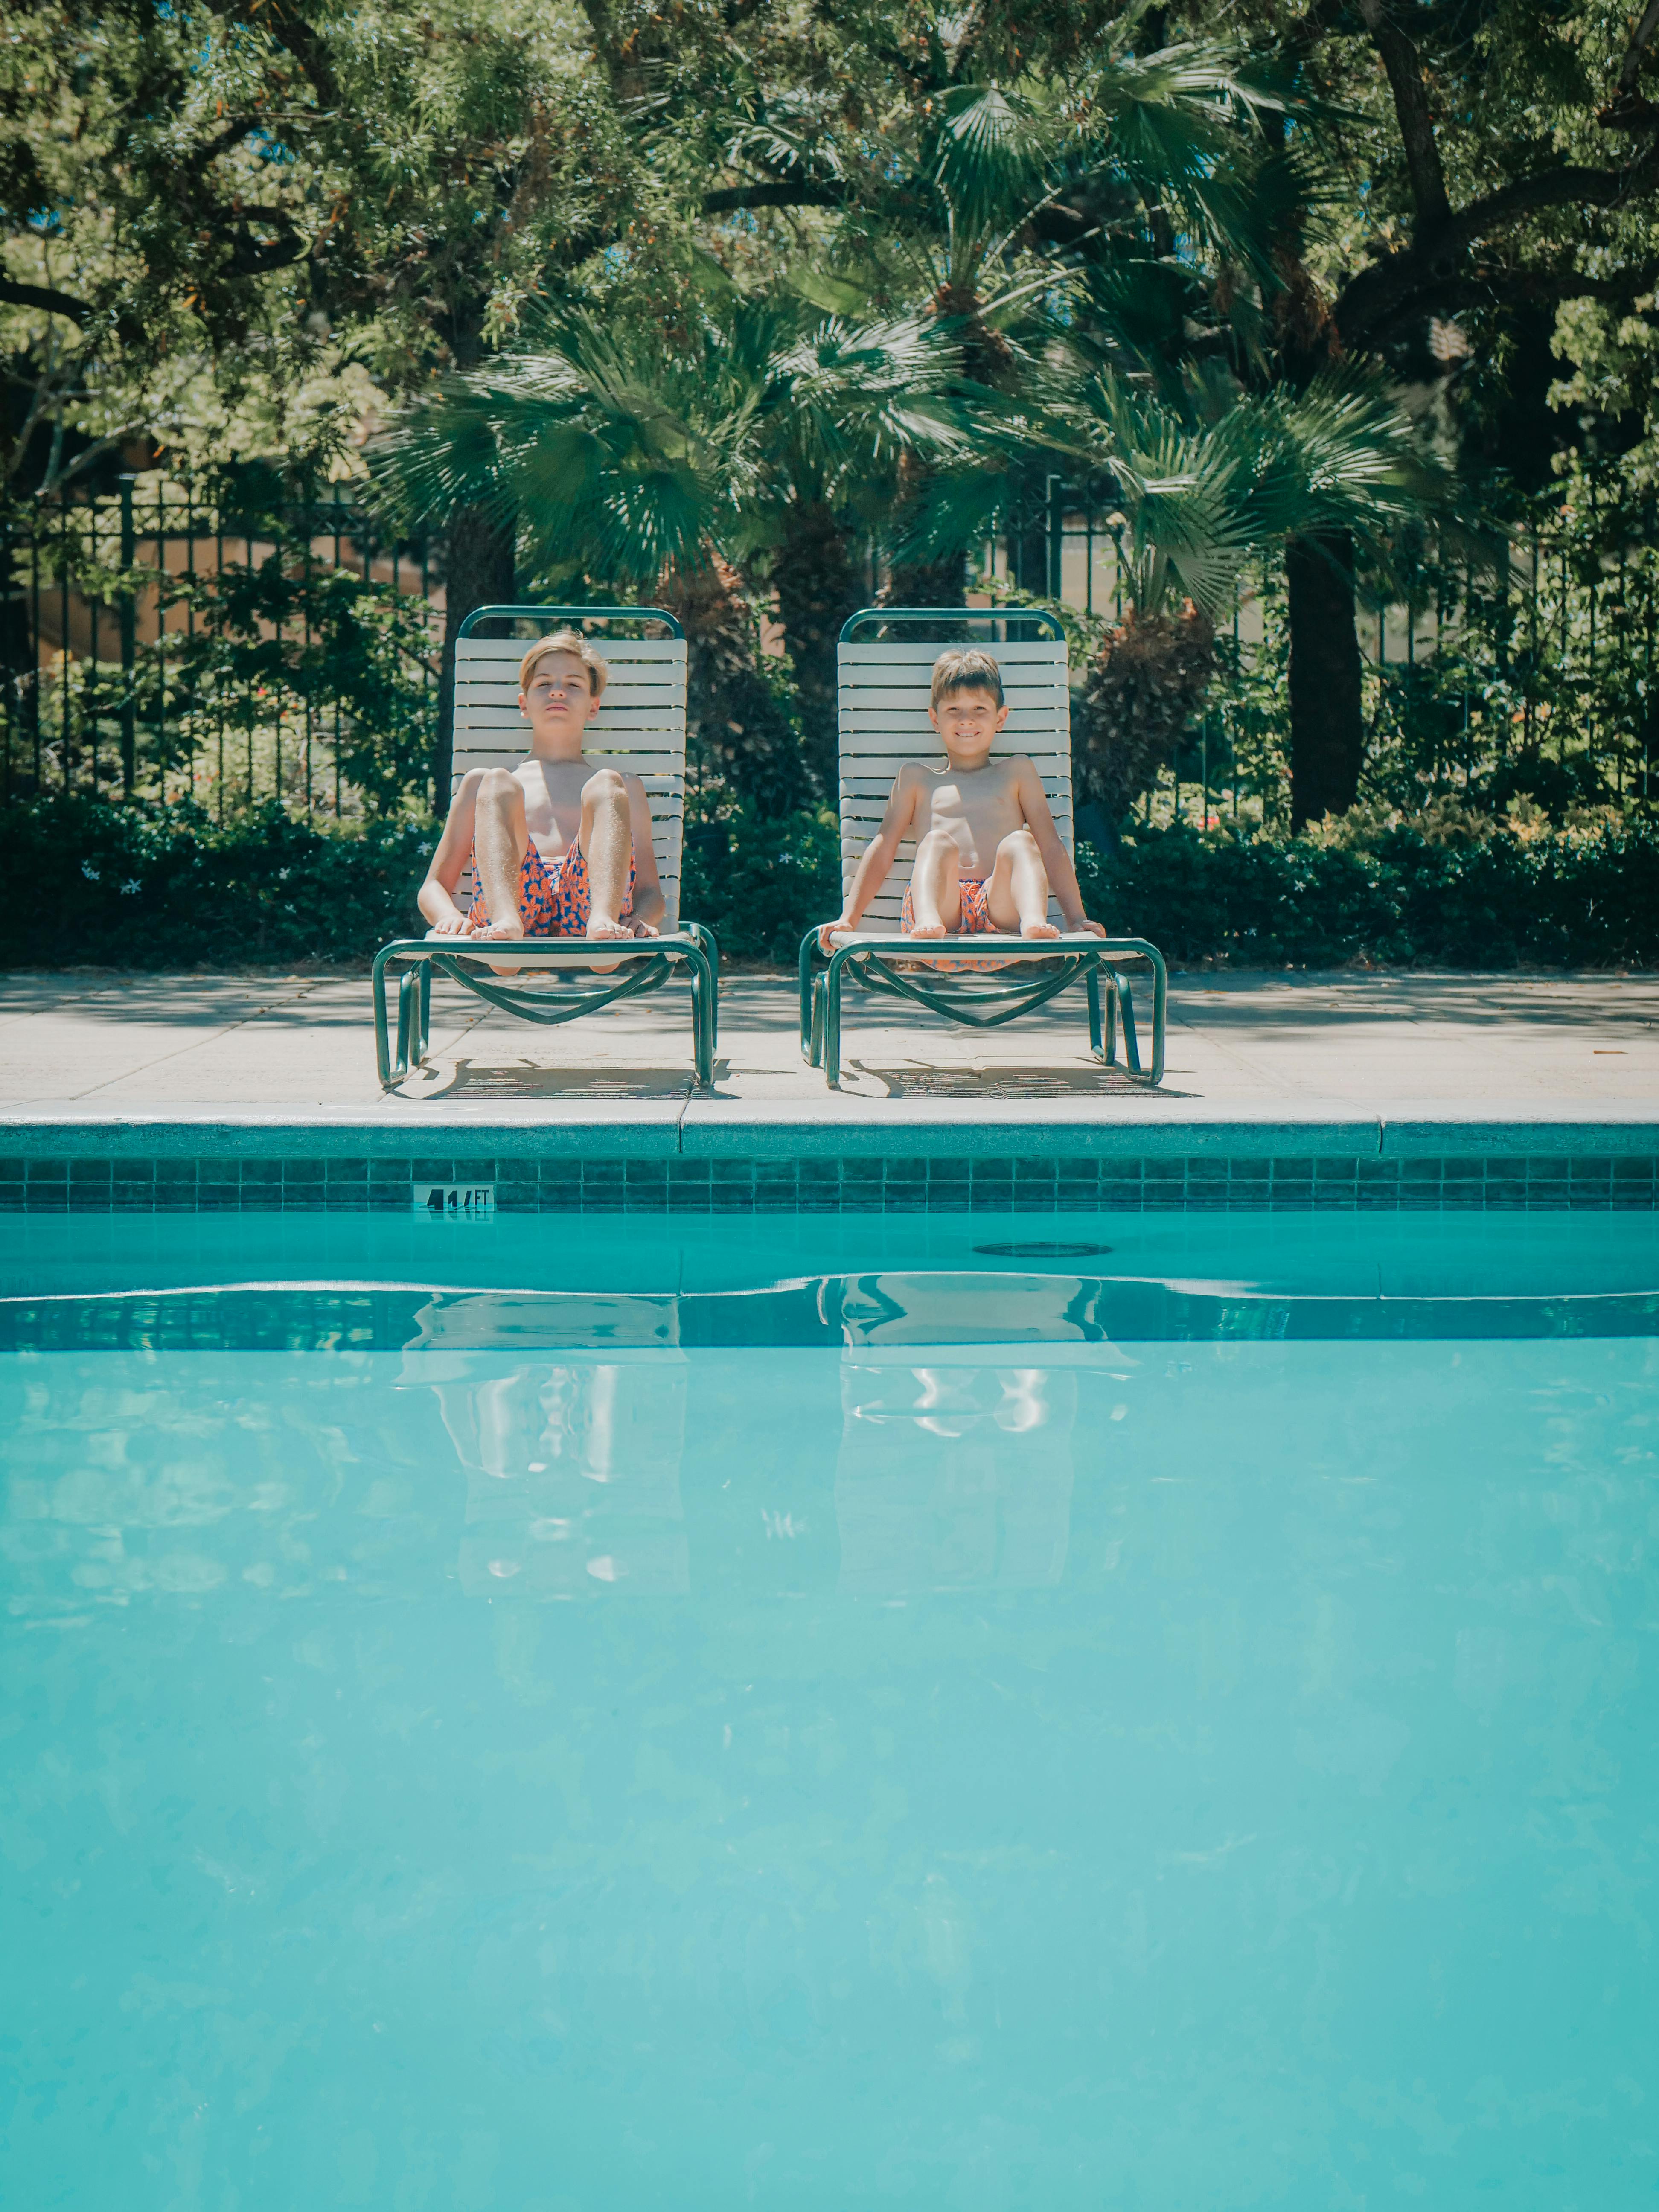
[(607, 843), (499, 839), (1017, 895), (936, 885)]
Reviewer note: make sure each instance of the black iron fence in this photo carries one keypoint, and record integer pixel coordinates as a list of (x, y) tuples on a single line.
[(239, 640), (1531, 672), (229, 643)]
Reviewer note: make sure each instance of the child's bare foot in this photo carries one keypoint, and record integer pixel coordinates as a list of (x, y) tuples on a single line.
[(919, 928), (1038, 929), (514, 928), (599, 925)]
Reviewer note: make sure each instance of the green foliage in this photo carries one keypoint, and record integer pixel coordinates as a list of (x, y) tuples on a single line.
[(154, 887), (145, 886), (760, 884), (1574, 898)]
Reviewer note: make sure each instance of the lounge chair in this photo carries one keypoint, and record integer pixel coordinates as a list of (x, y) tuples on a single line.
[(885, 681), (639, 729)]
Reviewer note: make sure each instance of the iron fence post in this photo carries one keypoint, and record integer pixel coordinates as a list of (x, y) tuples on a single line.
[(129, 618)]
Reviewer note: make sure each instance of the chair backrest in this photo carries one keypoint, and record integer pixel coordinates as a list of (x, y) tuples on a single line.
[(640, 728), (884, 694)]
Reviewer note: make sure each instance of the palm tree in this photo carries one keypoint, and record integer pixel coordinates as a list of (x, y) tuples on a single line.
[(629, 453)]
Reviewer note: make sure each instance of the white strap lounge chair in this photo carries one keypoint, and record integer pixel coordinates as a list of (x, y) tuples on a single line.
[(641, 730), (885, 683)]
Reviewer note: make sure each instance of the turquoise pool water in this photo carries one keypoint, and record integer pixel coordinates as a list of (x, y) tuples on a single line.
[(686, 1715)]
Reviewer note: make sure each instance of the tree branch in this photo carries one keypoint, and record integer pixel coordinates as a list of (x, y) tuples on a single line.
[(1628, 110), (1374, 303), (14, 295), (1411, 107), (284, 22)]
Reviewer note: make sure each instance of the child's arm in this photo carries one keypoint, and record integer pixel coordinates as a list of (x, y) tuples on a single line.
[(879, 854), (436, 897), (1056, 861)]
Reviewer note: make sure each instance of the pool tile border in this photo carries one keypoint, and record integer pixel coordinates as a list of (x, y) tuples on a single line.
[(1016, 1180)]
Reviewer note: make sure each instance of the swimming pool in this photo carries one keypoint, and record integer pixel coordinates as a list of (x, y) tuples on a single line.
[(611, 1715)]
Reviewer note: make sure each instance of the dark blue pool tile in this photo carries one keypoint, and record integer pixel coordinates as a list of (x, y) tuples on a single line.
[(90, 1171), (1253, 1172), (1630, 1170), (646, 1201), (1293, 1174), (1631, 1198), (42, 1172), (385, 1170), (1592, 1174), (431, 1170), (1337, 1170), (473, 1171), (387, 1197)]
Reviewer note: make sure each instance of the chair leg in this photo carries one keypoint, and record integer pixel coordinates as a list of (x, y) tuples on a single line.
[(814, 1038), (702, 1017), (1130, 1040), (1092, 986), (832, 1024), (388, 1074), (426, 1011)]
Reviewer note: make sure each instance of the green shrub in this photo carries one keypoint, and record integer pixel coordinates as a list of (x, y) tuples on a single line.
[(164, 887), (159, 887), (1566, 898), (760, 883)]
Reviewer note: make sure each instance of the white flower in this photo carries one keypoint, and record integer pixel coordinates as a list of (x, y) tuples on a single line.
[(132, 887), (281, 875), (89, 872), (423, 849)]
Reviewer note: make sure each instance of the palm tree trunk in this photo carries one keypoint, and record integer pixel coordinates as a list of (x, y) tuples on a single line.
[(1328, 727), (818, 586), (477, 573), (735, 728)]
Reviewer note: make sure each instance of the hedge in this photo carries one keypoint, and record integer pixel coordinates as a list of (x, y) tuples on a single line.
[(92, 881)]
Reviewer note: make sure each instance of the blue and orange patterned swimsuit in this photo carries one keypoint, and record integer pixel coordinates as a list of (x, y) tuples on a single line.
[(554, 896)]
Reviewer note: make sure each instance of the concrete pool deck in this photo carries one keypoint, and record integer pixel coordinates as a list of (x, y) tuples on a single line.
[(257, 1093), (1297, 1050)]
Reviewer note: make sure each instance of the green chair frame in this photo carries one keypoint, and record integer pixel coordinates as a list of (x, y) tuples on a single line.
[(887, 963), (650, 962), (985, 1001)]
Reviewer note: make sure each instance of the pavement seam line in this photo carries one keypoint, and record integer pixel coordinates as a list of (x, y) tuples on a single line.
[(196, 1044)]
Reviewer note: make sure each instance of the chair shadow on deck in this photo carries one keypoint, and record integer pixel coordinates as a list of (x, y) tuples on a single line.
[(1062, 1080), (528, 1080)]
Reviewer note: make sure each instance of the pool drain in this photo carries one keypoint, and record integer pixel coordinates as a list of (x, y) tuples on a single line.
[(1032, 1251)]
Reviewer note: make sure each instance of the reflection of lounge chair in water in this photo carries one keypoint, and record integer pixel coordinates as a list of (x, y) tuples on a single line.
[(572, 1470), (954, 1475)]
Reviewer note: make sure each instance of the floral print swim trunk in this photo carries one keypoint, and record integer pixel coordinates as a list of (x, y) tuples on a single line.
[(554, 896)]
